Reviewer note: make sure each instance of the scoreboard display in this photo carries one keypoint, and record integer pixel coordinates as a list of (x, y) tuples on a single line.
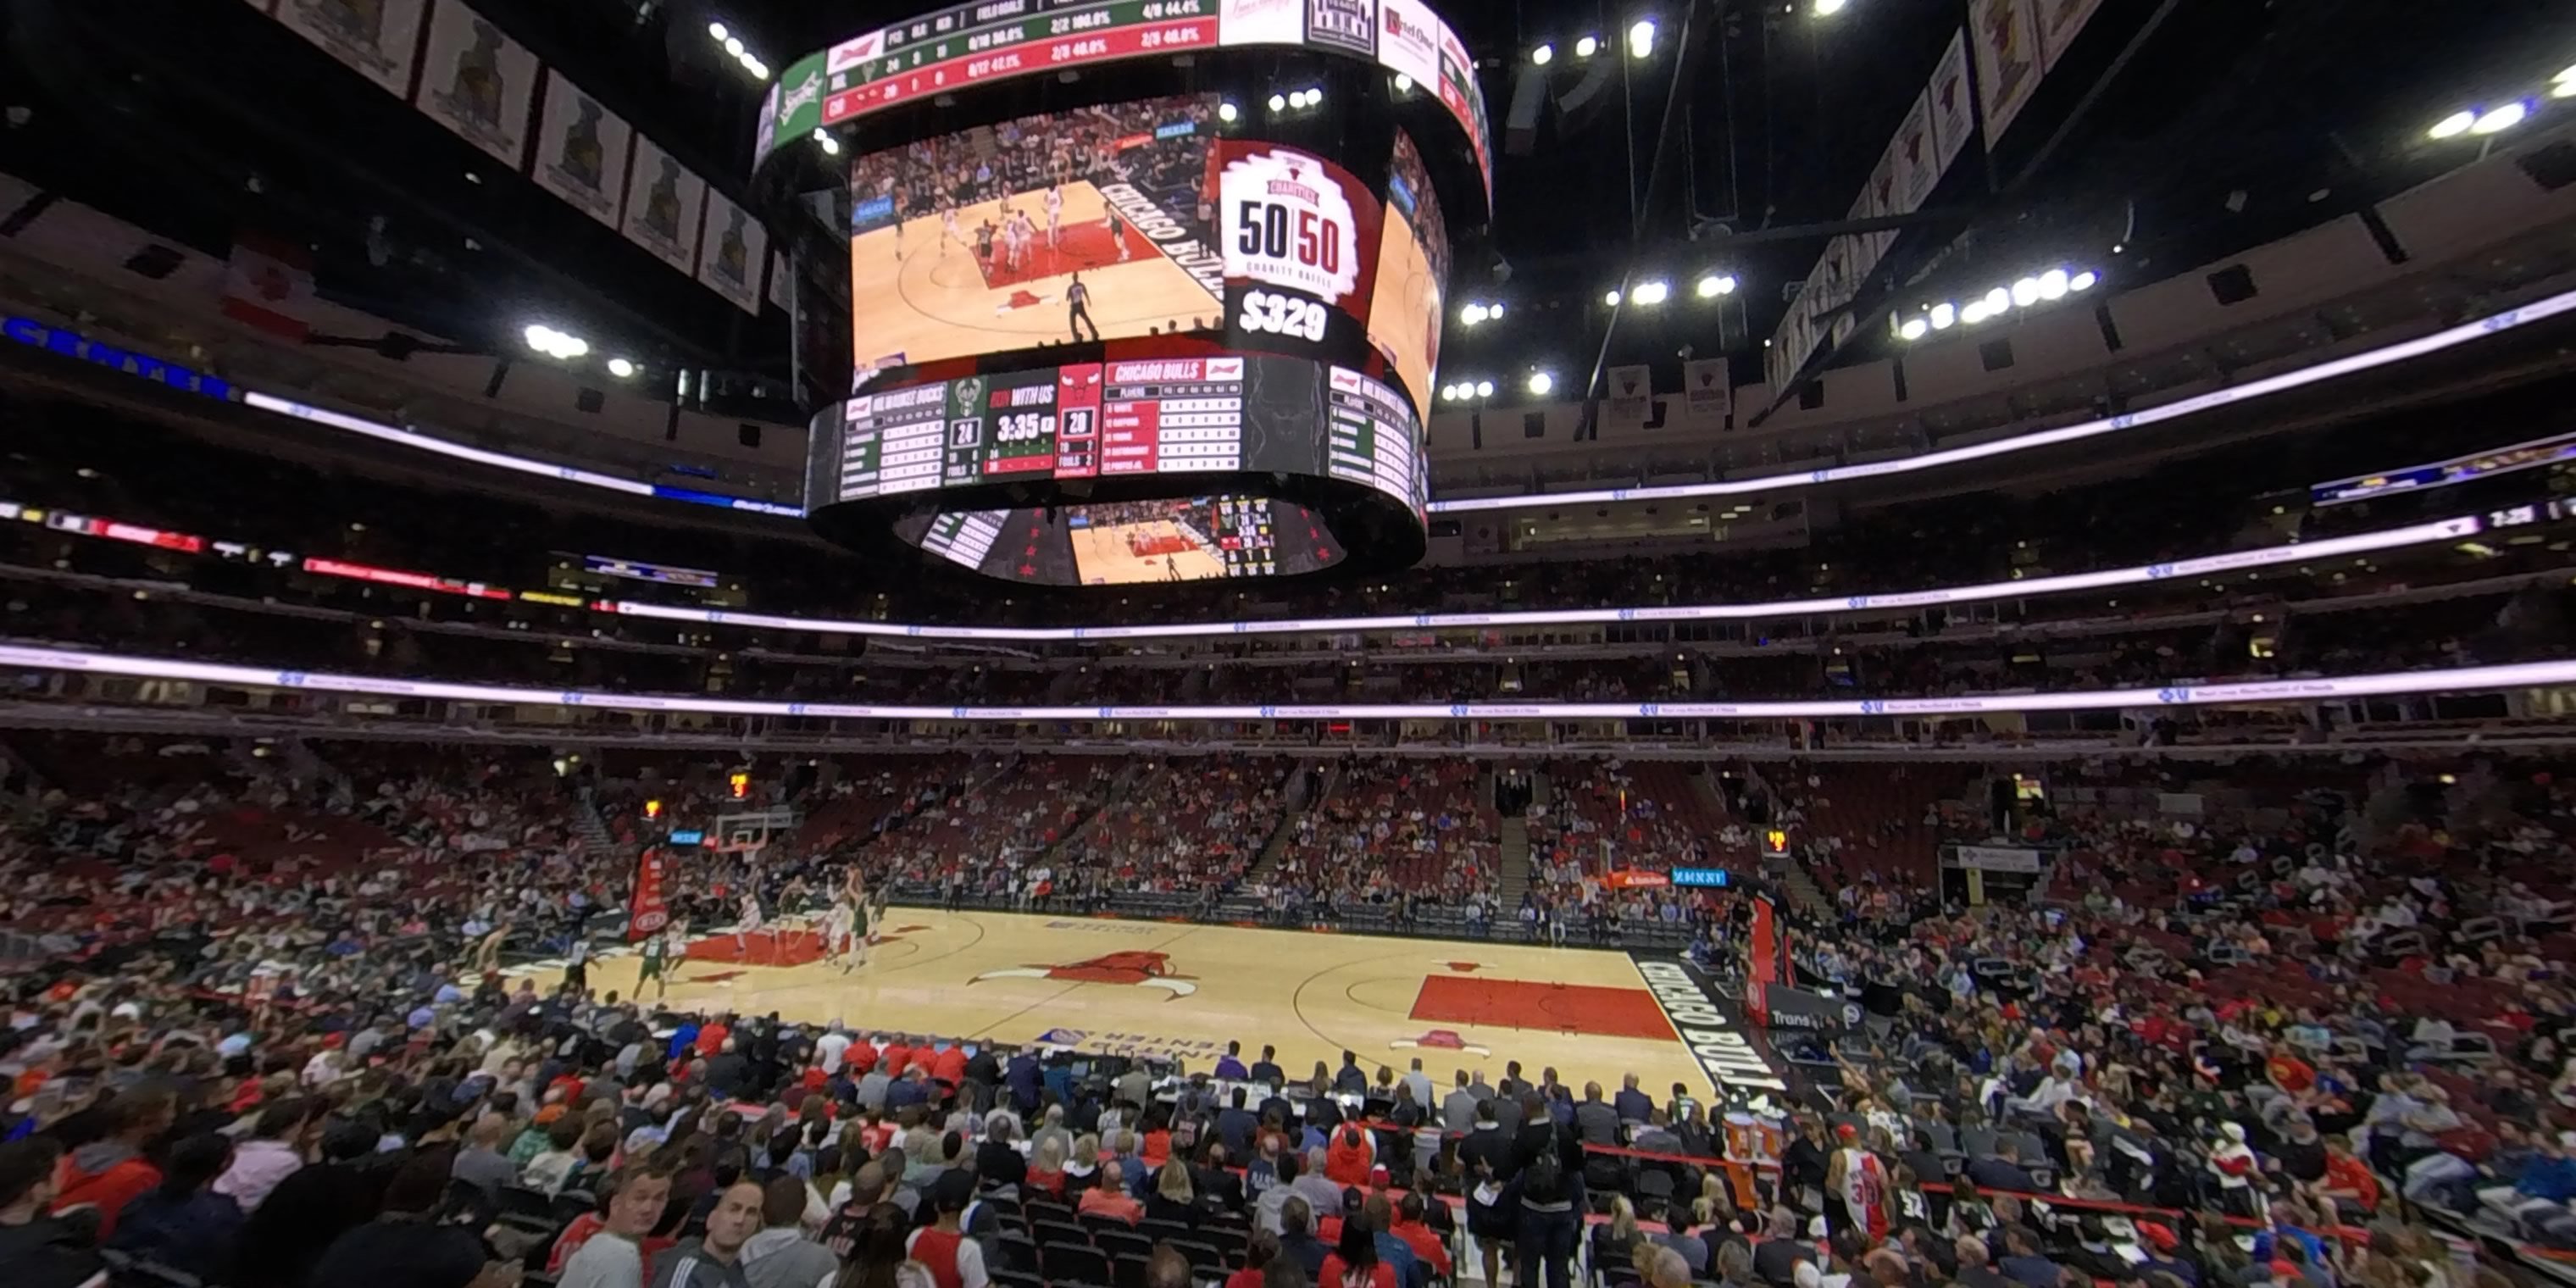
[(1195, 538), (1229, 414), (982, 42)]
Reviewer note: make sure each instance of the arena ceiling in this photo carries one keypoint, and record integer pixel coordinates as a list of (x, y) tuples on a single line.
[(2179, 130)]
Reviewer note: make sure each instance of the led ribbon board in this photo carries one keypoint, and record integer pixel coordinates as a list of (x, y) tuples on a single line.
[(2180, 693)]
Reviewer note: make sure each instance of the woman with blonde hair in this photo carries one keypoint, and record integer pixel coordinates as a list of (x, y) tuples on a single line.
[(1081, 1167), (1046, 1171), (1174, 1198)]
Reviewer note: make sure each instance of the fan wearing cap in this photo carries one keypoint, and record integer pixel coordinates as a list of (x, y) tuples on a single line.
[(2232, 1165)]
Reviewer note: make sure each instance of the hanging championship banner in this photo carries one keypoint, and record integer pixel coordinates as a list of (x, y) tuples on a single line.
[(2008, 70), (1954, 111), (736, 249), (375, 40), (1632, 398), (649, 910), (663, 200), (1708, 392), (1918, 163), (2060, 21), (478, 82), (581, 151)]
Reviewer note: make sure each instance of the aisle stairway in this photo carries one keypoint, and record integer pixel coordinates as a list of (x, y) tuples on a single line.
[(1514, 880)]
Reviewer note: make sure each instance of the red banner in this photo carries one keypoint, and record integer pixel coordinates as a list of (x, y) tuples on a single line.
[(1631, 878), (649, 910), (1763, 968)]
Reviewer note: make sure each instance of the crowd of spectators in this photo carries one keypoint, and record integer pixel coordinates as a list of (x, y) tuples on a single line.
[(2262, 1041)]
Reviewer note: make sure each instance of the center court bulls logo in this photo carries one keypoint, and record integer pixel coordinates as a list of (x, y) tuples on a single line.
[(1439, 1040), (1144, 970)]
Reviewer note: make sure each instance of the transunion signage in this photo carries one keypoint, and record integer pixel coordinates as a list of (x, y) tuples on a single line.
[(1713, 1033), (72, 344)]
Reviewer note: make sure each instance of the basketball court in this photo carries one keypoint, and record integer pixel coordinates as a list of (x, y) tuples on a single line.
[(1404, 312), (1124, 553), (920, 296), (1180, 990)]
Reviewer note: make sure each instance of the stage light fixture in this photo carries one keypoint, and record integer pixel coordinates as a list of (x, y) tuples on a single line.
[(1828, 8), (1611, 299), (1641, 38), (1716, 284), (1278, 102), (718, 32), (733, 45), (621, 368), (1541, 384), (2083, 281), (1914, 329), (1228, 112), (2053, 284), (1403, 83), (1587, 47), (1543, 55), (2026, 292), (1651, 293), (1943, 316), (2454, 125), (1484, 389)]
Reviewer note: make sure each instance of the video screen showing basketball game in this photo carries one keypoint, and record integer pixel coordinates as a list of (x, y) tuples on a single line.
[(1088, 224), (1405, 311), (1203, 538)]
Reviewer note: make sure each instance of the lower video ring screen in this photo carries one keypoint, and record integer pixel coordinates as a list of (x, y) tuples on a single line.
[(1024, 454), (1126, 543)]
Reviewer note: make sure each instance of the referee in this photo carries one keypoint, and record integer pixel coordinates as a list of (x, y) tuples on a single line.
[(1077, 297)]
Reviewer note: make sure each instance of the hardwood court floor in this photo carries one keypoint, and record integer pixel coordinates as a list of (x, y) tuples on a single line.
[(918, 294), (1102, 557), (1182, 990)]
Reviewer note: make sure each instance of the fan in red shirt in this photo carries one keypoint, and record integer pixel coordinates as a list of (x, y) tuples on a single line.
[(948, 1068), (896, 1055), (2287, 1071), (1425, 1241)]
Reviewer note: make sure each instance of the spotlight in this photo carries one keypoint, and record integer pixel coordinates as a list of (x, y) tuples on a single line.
[(2564, 87), (1278, 102), (620, 368), (2026, 292), (2454, 125), (1471, 315), (1543, 55), (1974, 312), (1484, 389), (1541, 384), (1587, 47), (1716, 284), (717, 30), (1448, 393), (1828, 8), (2497, 119), (758, 69), (1494, 312), (2083, 281), (1914, 329), (1641, 38), (555, 344), (1611, 299), (1997, 300), (1403, 83), (1651, 293), (1943, 315), (733, 45), (2053, 284), (1227, 112)]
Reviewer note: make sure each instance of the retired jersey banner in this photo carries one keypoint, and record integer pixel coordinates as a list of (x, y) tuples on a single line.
[(378, 40), (477, 82), (733, 249), (2008, 71), (663, 201), (1632, 398), (581, 151)]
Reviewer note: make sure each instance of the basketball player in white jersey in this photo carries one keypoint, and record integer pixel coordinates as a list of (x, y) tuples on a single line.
[(749, 925), (1055, 214), (948, 230)]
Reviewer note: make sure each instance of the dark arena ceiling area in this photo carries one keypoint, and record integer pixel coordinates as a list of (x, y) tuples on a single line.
[(2174, 130)]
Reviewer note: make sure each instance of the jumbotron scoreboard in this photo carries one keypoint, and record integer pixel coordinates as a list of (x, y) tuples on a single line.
[(1118, 328), (1159, 416)]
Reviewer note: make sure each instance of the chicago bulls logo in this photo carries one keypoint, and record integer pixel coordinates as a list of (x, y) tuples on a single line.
[(1143, 970), (1439, 1040)]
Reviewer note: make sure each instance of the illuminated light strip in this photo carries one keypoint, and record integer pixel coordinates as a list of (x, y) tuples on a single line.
[(2535, 311), (2180, 694), (445, 447), (2207, 565), (400, 577)]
